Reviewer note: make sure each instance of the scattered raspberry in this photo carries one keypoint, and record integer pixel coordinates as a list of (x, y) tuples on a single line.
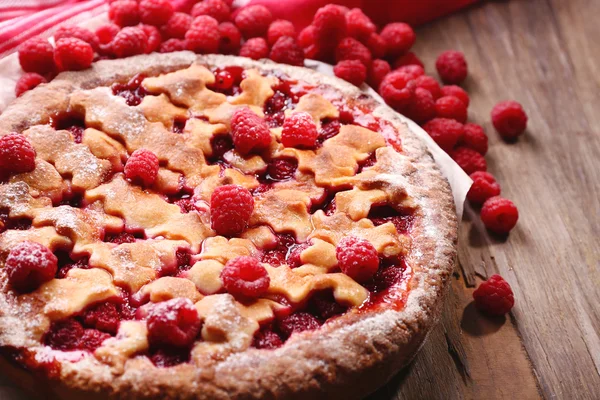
[(203, 36), (249, 131), (36, 55), (27, 82), (469, 160), (231, 38), (254, 20), (73, 31), (458, 92), (484, 186), (379, 69), (64, 335), (352, 71), (142, 166), (414, 71), (124, 12), (280, 28), (17, 155), (351, 49), (287, 51), (445, 132), (306, 37), (330, 25), (245, 277), (92, 339), (399, 38), (376, 45), (428, 83), (499, 215), (475, 138), (217, 9), (255, 48), (173, 323), (297, 322), (223, 80), (357, 258), (154, 38), (299, 130), (281, 169), (509, 119), (266, 339), (230, 208), (397, 89), (72, 54), (452, 67), (129, 42), (422, 108), (358, 24), (494, 296), (29, 264), (177, 26), (155, 12), (452, 108), (106, 33), (172, 45), (103, 316), (409, 58)]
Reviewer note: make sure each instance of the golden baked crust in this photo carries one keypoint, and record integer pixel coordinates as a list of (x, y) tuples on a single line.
[(348, 357)]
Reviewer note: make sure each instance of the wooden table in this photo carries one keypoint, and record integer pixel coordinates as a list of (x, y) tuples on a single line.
[(546, 55)]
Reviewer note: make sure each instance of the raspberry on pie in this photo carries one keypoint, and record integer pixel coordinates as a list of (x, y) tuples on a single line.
[(206, 226)]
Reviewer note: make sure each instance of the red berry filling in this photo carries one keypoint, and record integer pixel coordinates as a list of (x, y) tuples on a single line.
[(169, 357), (132, 91), (280, 169), (278, 255), (402, 219), (266, 338), (298, 322)]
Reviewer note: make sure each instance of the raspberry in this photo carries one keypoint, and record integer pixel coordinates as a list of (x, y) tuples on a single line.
[(297, 322), (358, 24), (230, 208), (255, 48), (142, 166), (376, 45), (351, 49), (155, 12), (220, 145), (452, 108), (64, 335), (17, 155), (123, 237), (475, 138), (27, 82), (357, 258), (254, 21), (36, 55), (494, 296), (245, 277), (379, 69), (231, 38), (203, 36), (266, 339), (422, 108), (428, 83), (469, 160), (452, 67), (499, 215), (223, 80), (154, 38), (217, 9), (281, 169), (105, 33), (92, 339), (352, 71), (326, 305), (104, 317), (72, 54), (249, 131), (456, 91), (280, 28), (397, 89), (299, 130), (330, 25), (29, 264), (509, 119), (409, 58), (169, 357), (287, 51), (445, 132), (176, 26), (124, 12), (414, 71), (399, 38), (172, 45), (484, 186), (73, 31), (129, 42), (329, 129), (173, 323)]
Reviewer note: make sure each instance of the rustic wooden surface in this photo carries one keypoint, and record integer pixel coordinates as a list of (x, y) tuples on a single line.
[(546, 55)]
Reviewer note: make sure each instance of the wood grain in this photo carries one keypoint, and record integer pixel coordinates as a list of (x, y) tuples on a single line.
[(546, 55)]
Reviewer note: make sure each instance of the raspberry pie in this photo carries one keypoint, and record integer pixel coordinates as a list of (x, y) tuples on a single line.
[(194, 227)]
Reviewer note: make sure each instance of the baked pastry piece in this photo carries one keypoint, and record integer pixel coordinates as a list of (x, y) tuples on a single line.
[(141, 306)]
